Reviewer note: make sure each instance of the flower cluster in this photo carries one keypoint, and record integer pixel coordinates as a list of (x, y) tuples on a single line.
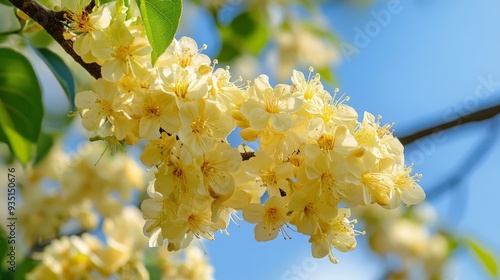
[(60, 190), (414, 237), (314, 160), (314, 157), (122, 257)]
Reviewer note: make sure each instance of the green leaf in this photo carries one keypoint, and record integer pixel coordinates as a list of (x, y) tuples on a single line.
[(257, 40), (484, 256), (453, 242), (327, 75), (152, 263), (43, 147), (161, 20), (245, 34), (4, 249), (61, 71), (26, 266), (251, 33), (102, 2), (21, 108), (6, 3), (154, 271), (39, 39), (244, 24), (228, 52), (7, 275), (4, 246), (8, 20)]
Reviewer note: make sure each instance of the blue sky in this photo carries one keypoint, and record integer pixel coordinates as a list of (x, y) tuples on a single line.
[(432, 61)]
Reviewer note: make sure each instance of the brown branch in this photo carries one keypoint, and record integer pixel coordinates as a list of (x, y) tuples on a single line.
[(247, 155), (51, 21), (477, 116), (90, 6)]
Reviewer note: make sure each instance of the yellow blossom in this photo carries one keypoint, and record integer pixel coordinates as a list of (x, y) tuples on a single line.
[(157, 151), (338, 233), (267, 106), (123, 53), (406, 188), (180, 176), (193, 220), (183, 83), (378, 139), (269, 172), (103, 104), (216, 167), (225, 93), (87, 28), (159, 212), (183, 52), (308, 212), (203, 125), (367, 172), (270, 218), (156, 110)]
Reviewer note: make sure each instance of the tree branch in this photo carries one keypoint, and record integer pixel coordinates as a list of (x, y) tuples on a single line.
[(51, 21), (477, 116), (469, 164)]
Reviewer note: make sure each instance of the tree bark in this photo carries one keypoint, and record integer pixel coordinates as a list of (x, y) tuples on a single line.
[(52, 22)]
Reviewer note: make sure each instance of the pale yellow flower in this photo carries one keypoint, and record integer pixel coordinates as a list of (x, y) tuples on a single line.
[(159, 212), (270, 218), (103, 104), (67, 258), (87, 28), (123, 53), (41, 215), (157, 151), (124, 231), (378, 139), (269, 172), (203, 125), (225, 93), (308, 212), (309, 88), (225, 206), (327, 139), (368, 173), (283, 143), (183, 83), (406, 188), (156, 110), (188, 264), (319, 103), (325, 174), (106, 180), (183, 52), (216, 167), (299, 46), (195, 220), (267, 106), (338, 233), (181, 176)]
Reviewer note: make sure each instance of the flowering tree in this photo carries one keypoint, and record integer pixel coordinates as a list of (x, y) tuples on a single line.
[(306, 159)]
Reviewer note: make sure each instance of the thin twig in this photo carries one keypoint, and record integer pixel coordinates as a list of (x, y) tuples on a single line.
[(469, 164), (477, 116)]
